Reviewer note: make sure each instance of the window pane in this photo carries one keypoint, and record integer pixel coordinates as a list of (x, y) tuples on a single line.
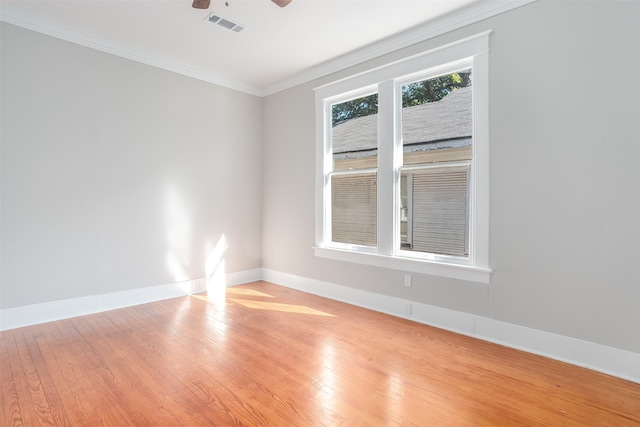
[(354, 134), (354, 209), (438, 211), (437, 132), (437, 120)]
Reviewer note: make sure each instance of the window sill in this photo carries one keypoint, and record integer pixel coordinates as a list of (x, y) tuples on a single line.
[(452, 271)]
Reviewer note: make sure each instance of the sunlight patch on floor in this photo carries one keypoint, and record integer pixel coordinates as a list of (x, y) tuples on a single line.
[(248, 292), (201, 297), (274, 306)]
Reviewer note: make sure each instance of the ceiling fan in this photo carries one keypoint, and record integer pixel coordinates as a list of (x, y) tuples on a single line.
[(204, 4)]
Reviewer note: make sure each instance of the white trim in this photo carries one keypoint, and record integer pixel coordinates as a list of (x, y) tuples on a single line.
[(475, 13), (387, 180), (241, 277), (34, 314), (472, 52), (470, 15), (480, 171), (451, 270), (323, 152), (82, 38), (441, 58), (609, 360)]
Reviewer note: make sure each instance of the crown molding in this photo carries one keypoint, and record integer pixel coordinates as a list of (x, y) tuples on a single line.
[(477, 12), (30, 22), (470, 15)]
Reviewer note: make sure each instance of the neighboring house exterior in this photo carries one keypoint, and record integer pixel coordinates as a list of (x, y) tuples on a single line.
[(437, 150)]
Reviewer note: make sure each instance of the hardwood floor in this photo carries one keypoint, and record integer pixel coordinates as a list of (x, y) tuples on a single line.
[(272, 356)]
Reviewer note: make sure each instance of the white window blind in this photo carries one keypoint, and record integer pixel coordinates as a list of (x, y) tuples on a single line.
[(440, 210), (354, 209)]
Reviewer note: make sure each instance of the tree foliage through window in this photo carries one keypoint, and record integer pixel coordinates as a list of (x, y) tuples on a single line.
[(413, 94)]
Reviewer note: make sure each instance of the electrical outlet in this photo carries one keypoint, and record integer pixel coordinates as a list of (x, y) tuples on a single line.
[(407, 308), (407, 280), (198, 286)]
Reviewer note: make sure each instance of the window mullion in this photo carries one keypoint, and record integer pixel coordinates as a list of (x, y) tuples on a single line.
[(386, 171)]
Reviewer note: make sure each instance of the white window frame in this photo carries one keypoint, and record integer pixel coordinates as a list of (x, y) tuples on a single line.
[(388, 79)]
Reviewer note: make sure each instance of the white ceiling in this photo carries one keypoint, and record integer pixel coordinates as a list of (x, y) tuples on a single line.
[(276, 45)]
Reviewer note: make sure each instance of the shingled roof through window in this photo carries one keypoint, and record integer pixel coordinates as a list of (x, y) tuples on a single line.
[(434, 125)]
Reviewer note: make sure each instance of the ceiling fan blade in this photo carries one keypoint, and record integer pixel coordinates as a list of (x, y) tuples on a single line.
[(201, 4), (281, 3)]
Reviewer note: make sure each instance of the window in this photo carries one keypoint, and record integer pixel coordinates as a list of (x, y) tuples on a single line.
[(402, 171), (437, 152), (354, 145)]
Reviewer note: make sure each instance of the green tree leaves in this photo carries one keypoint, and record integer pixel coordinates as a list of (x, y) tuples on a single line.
[(360, 107), (417, 93)]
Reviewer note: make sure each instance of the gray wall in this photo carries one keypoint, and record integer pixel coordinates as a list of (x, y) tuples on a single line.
[(565, 177), (117, 175)]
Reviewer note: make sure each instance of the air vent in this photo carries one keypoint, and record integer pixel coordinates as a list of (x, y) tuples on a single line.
[(229, 25)]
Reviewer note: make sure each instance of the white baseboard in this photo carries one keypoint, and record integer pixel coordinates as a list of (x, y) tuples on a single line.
[(246, 276), (34, 314), (612, 361)]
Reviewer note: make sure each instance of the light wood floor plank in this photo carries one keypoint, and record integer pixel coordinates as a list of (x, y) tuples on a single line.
[(51, 367), (8, 392), (270, 356)]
